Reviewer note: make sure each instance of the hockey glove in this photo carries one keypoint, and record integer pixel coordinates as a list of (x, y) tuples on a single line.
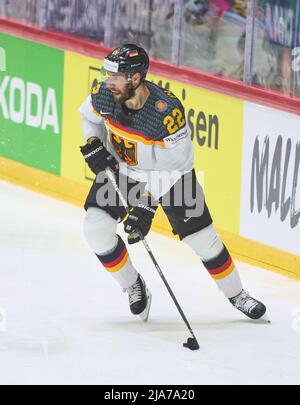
[(139, 219), (97, 157)]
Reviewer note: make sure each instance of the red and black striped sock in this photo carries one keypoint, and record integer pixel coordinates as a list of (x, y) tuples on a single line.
[(220, 266), (222, 269), (118, 264), (116, 259)]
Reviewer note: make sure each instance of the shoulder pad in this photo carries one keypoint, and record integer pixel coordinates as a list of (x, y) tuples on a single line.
[(102, 98), (169, 93), (95, 87), (173, 119)]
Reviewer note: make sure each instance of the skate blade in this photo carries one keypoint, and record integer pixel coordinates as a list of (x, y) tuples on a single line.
[(145, 314), (263, 320)]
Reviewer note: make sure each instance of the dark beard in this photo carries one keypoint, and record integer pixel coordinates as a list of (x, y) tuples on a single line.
[(130, 92)]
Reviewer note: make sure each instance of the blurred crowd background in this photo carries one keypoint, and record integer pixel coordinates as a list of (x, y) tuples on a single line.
[(222, 37)]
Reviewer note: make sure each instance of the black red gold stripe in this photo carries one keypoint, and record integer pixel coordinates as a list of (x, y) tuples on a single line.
[(221, 266), (116, 259), (132, 135)]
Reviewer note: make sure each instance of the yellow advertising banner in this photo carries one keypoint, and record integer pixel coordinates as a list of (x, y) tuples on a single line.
[(79, 72), (216, 125)]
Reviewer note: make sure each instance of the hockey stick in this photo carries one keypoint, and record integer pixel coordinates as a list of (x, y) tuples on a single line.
[(191, 342)]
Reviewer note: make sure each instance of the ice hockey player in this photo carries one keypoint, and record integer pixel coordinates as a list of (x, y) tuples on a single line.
[(146, 137)]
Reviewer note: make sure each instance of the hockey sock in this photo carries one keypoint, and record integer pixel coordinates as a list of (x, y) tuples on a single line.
[(223, 271), (209, 247), (117, 262)]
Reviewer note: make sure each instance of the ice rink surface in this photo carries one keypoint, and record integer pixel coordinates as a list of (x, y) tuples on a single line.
[(65, 321)]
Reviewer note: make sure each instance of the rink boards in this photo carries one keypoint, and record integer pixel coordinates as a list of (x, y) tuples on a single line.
[(247, 156)]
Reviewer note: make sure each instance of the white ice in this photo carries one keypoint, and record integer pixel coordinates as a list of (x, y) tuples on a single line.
[(65, 321)]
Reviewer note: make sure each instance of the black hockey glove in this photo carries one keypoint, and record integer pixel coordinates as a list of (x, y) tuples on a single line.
[(140, 218), (97, 157)]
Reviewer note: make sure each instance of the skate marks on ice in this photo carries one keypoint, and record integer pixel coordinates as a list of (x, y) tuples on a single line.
[(39, 339), (160, 332)]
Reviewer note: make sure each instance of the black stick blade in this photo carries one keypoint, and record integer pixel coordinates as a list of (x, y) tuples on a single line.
[(191, 344)]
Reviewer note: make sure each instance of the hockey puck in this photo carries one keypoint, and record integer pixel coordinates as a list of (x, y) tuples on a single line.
[(191, 344)]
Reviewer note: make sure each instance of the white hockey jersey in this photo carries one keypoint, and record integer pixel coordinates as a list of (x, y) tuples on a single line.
[(152, 144)]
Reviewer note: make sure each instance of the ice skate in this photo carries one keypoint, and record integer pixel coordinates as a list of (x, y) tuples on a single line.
[(139, 298), (252, 308)]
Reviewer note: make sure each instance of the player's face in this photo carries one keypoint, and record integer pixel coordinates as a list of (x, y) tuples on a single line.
[(120, 86)]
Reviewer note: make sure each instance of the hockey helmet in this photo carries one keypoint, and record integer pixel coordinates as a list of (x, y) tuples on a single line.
[(128, 59)]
